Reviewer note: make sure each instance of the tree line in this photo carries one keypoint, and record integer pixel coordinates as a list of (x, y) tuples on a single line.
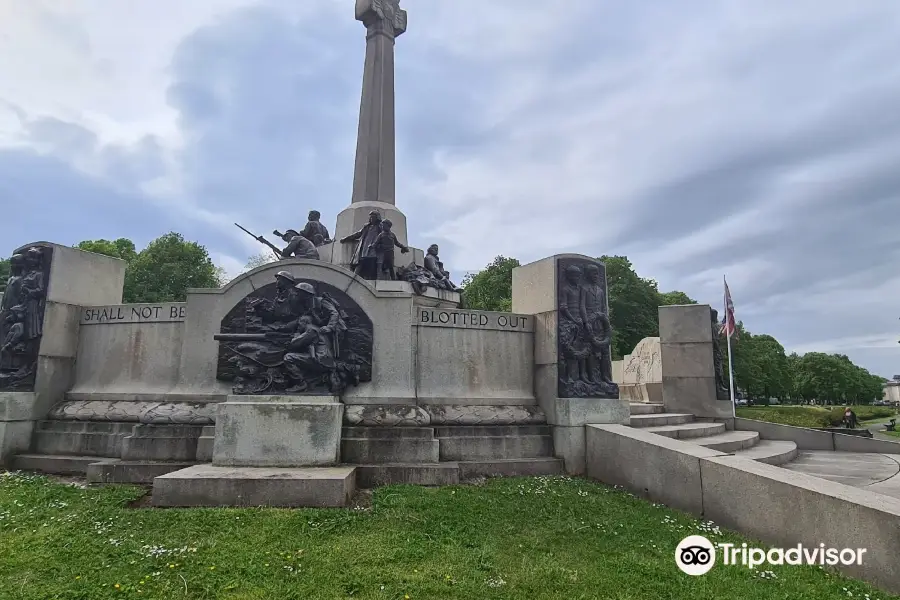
[(762, 369)]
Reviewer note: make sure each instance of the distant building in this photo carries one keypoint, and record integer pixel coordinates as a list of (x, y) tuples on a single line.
[(892, 390)]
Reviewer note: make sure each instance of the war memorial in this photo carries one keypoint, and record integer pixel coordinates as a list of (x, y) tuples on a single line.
[(351, 363)]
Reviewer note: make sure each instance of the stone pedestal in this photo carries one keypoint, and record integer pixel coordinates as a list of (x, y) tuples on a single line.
[(73, 279), (688, 373), (278, 431), (535, 291)]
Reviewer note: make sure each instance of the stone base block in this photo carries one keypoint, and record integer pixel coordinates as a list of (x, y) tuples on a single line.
[(15, 437), (205, 444), (131, 471), (259, 432), (573, 412), (377, 451), (207, 485), (17, 406), (569, 445), (56, 464), (161, 443), (641, 392)]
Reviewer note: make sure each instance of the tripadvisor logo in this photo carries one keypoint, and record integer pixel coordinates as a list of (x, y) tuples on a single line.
[(696, 555)]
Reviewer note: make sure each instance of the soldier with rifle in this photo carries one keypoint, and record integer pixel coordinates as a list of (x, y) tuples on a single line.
[(297, 245)]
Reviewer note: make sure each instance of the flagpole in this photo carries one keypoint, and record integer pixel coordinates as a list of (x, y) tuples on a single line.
[(728, 333)]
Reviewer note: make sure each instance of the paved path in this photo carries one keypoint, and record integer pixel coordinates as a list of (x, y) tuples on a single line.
[(877, 429), (873, 472)]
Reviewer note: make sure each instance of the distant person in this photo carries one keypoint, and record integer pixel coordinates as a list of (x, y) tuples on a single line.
[(850, 420)]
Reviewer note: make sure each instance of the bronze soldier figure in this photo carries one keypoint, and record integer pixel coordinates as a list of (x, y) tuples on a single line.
[(363, 261), (298, 245), (383, 248), (315, 231)]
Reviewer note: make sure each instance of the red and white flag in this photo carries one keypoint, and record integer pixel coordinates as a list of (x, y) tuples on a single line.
[(728, 323)]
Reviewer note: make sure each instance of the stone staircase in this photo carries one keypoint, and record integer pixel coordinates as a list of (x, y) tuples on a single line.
[(447, 454), (653, 418)]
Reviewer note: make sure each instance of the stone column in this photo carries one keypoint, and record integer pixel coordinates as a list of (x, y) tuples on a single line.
[(688, 366), (72, 279), (374, 169), (542, 289)]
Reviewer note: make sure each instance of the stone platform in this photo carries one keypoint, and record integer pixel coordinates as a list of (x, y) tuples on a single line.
[(207, 485)]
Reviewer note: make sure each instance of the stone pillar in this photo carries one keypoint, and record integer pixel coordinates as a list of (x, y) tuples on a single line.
[(374, 173), (550, 290), (71, 279), (688, 366)]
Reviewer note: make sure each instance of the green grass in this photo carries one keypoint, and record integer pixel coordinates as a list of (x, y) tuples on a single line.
[(812, 416), (534, 539)]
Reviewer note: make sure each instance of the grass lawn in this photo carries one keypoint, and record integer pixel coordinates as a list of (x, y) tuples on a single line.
[(534, 539)]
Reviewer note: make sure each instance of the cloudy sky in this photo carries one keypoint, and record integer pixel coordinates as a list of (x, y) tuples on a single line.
[(754, 138)]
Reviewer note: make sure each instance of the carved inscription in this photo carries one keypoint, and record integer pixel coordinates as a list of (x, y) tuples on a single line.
[(134, 313), (474, 319)]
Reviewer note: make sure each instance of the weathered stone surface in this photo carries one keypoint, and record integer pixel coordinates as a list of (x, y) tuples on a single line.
[(154, 413), (644, 364), (277, 433), (391, 415), (140, 472), (511, 467), (656, 468), (474, 448), (161, 442), (370, 476), (208, 485), (15, 437)]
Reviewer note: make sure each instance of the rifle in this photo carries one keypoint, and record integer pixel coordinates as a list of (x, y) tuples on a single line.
[(262, 240), (269, 336)]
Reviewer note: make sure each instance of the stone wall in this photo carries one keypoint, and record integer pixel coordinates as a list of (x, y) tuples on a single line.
[(474, 357), (892, 391), (423, 352), (128, 351)]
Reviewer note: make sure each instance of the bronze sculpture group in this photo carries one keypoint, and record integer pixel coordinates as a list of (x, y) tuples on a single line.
[(584, 333), (22, 318), (295, 337), (373, 253)]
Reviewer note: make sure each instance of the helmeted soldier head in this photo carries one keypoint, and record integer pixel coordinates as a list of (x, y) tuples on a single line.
[(433, 249), (284, 280), (314, 215), (305, 288)]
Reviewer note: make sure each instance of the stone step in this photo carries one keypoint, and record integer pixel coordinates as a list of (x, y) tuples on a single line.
[(484, 448), (206, 485), (84, 426), (56, 464), (205, 444), (772, 452), (370, 476), (646, 408), (366, 451), (77, 444), (688, 430), (511, 467), (449, 431), (730, 441), (658, 419), (384, 433), (131, 471)]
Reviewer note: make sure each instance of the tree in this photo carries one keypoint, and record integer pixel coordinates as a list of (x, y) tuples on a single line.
[(633, 305), (490, 289), (120, 248), (675, 298), (4, 274), (164, 270), (258, 260)]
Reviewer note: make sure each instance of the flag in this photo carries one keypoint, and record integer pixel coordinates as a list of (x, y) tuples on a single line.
[(729, 327)]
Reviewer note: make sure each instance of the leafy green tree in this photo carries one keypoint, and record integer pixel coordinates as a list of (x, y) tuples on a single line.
[(120, 248), (633, 305), (164, 270), (674, 298), (490, 289), (4, 274)]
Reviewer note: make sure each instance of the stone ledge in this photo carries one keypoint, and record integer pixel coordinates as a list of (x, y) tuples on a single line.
[(207, 485)]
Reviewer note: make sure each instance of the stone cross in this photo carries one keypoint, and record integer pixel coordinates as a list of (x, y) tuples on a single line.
[(373, 174)]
